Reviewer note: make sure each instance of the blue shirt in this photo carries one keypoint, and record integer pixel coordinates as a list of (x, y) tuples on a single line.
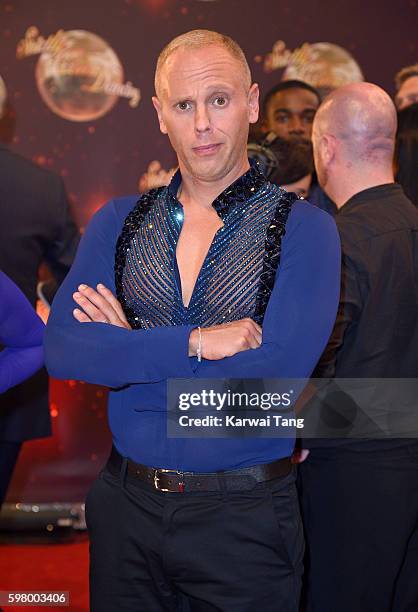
[(297, 307)]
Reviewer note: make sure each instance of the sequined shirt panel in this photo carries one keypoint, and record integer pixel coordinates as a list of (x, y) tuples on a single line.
[(238, 273)]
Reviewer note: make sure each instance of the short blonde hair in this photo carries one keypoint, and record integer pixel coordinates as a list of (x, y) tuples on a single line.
[(198, 39)]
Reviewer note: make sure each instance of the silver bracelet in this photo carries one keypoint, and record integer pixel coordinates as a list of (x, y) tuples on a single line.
[(199, 346)]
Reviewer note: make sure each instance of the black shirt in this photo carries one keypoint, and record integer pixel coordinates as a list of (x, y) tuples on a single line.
[(376, 331)]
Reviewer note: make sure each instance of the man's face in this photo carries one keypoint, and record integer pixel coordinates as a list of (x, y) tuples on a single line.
[(408, 93), (290, 114), (205, 109)]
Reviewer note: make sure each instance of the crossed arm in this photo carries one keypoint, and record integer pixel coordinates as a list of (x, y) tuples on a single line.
[(99, 305), (94, 343)]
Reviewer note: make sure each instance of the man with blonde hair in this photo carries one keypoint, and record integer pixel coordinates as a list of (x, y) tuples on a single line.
[(212, 276)]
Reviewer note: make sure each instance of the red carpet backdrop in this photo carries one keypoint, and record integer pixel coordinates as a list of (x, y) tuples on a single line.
[(80, 79)]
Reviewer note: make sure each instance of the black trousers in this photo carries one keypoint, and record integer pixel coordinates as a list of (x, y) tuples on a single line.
[(360, 511), (9, 452), (223, 551)]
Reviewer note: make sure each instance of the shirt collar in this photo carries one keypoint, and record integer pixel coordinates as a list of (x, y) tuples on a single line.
[(238, 192), (387, 190)]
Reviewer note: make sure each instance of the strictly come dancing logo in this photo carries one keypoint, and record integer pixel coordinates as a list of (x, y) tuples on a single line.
[(78, 75), (323, 65)]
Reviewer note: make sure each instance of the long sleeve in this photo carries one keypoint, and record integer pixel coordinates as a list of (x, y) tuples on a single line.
[(302, 308), (21, 333), (97, 352)]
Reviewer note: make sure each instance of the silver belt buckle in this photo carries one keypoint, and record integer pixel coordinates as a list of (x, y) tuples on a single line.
[(156, 480)]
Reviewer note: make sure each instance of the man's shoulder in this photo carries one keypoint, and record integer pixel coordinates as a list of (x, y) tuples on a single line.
[(303, 212), (300, 210), (310, 226), (120, 207), (378, 216), (125, 204), (112, 214)]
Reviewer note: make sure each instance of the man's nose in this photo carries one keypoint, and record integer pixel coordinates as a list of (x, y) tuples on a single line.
[(296, 125), (201, 119)]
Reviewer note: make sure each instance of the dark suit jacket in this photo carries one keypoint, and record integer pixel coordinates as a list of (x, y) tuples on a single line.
[(35, 226)]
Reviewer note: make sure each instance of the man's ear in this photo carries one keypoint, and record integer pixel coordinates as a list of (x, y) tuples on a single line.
[(327, 145), (158, 108), (253, 103)]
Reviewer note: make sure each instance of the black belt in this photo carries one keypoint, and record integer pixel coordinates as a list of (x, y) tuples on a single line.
[(176, 481)]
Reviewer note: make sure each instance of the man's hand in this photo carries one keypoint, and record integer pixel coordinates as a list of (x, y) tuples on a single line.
[(299, 455), (227, 339), (99, 306)]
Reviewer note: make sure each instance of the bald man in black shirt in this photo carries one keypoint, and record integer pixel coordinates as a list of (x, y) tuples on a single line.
[(360, 498)]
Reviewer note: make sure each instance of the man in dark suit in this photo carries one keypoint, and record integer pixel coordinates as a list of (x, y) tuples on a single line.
[(35, 227)]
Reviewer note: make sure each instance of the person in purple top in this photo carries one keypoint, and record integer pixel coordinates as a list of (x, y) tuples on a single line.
[(21, 335)]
